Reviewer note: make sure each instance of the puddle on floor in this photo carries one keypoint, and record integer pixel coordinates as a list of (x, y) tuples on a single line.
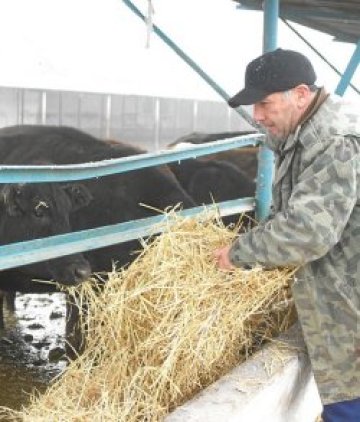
[(31, 346)]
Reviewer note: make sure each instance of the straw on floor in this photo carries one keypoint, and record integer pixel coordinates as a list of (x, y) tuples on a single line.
[(166, 327)]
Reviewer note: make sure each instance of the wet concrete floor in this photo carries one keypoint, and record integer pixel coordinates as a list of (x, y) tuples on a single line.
[(32, 347)]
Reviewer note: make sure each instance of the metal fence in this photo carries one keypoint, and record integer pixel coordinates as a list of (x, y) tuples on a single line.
[(27, 252), (144, 121)]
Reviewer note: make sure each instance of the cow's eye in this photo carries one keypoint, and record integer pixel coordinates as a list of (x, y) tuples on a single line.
[(41, 209)]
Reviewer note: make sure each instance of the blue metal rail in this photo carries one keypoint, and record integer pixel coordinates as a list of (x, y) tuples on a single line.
[(59, 173), (349, 71), (23, 253)]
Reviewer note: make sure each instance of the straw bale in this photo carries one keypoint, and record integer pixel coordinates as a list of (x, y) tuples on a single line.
[(166, 327)]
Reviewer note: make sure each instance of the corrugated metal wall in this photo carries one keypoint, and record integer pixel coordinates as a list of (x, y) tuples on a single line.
[(148, 122)]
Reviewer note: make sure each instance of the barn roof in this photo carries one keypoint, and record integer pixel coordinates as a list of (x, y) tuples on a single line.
[(339, 18)]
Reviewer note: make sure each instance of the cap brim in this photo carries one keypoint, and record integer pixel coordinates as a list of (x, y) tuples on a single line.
[(247, 96)]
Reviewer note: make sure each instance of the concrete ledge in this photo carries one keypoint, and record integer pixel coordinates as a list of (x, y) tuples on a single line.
[(275, 385)]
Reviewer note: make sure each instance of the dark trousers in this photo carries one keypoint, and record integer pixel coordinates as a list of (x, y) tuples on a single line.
[(343, 411)]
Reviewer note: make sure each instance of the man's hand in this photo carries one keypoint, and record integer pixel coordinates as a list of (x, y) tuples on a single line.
[(222, 258)]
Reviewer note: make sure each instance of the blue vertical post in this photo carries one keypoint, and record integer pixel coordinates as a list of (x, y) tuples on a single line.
[(349, 71), (266, 156)]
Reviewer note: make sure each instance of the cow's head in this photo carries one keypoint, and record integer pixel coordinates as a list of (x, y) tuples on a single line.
[(32, 211)]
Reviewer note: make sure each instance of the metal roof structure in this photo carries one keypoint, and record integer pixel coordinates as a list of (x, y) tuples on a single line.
[(339, 18)]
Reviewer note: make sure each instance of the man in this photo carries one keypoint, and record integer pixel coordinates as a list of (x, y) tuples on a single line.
[(315, 221)]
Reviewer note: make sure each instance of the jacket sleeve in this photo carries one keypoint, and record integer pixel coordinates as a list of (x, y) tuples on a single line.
[(318, 210)]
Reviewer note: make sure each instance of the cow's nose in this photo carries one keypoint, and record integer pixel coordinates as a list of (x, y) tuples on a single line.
[(82, 272)]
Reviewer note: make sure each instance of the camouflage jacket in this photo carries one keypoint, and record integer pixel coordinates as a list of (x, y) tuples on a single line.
[(316, 225)]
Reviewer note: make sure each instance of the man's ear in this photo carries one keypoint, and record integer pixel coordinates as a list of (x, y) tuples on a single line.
[(8, 198), (303, 93), (79, 195)]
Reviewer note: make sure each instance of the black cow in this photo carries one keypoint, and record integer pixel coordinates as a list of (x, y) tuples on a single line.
[(213, 180), (217, 177), (30, 211), (244, 159)]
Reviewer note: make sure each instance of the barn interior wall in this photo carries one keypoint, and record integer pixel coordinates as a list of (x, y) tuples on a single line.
[(147, 122)]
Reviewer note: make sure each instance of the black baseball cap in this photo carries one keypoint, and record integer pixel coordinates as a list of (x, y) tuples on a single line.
[(275, 71)]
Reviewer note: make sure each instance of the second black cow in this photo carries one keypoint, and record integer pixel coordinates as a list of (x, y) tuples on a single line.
[(217, 177)]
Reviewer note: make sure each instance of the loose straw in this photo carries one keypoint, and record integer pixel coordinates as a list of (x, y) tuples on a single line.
[(165, 328)]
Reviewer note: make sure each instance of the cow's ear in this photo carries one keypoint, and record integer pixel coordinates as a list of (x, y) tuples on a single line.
[(79, 195), (9, 199)]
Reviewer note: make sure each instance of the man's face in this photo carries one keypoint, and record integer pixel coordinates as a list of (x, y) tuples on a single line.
[(279, 113)]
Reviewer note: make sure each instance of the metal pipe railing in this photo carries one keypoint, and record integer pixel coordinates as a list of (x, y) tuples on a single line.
[(27, 252), (349, 71), (68, 172)]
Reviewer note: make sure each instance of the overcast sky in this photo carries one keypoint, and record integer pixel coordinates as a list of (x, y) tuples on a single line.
[(100, 46)]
